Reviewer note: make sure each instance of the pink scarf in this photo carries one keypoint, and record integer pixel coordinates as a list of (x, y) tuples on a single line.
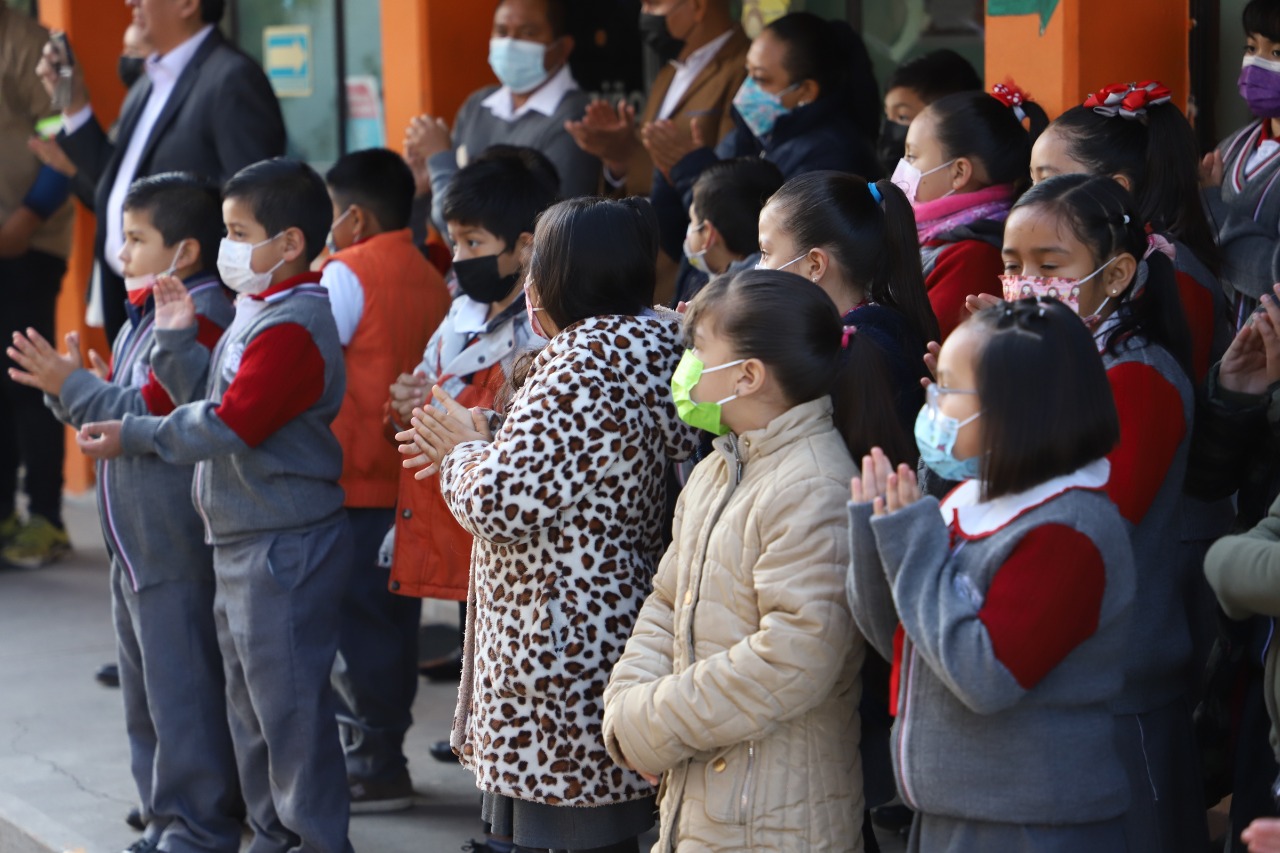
[(944, 214)]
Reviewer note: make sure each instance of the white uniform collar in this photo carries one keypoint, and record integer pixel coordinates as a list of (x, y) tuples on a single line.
[(546, 100), (975, 518)]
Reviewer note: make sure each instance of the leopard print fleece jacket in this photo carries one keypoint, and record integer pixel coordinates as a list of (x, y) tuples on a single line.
[(566, 505)]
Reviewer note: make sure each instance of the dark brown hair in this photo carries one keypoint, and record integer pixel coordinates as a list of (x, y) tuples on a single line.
[(1047, 408), (791, 325)]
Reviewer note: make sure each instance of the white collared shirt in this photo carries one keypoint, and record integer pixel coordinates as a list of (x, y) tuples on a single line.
[(546, 100), (688, 71), (164, 72)]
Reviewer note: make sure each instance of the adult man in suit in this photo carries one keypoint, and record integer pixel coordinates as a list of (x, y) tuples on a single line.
[(202, 107), (705, 53)]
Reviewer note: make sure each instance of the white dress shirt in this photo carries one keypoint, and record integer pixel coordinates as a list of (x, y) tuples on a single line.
[(546, 100), (346, 297), (164, 72), (688, 71)]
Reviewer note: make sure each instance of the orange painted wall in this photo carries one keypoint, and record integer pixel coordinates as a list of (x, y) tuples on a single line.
[(434, 54), (94, 28), (1141, 40)]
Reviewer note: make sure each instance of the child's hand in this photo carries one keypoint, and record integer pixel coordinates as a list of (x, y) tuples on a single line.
[(651, 778), (931, 363), (1252, 363), (902, 490), (436, 433), (1211, 170), (408, 392), (175, 309), (1263, 835), (100, 440), (872, 485), (42, 367), (975, 303)]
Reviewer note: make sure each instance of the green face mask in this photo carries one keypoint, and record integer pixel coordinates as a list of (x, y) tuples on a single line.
[(701, 415)]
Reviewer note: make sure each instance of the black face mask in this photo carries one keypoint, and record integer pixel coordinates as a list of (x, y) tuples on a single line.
[(892, 145), (480, 280), (131, 69), (654, 32)]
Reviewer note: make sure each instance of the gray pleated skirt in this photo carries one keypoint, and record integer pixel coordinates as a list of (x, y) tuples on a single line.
[(565, 827)]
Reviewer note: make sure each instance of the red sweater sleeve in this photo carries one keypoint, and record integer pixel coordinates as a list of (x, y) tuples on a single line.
[(1197, 305), (1152, 426), (963, 269), (208, 333), (1044, 601), (281, 375)]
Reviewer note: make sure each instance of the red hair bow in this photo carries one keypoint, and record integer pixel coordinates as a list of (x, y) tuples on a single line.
[(1128, 100), (1012, 97)]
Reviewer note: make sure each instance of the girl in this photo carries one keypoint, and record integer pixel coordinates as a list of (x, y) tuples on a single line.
[(1081, 238), (565, 499), (1238, 178), (966, 157), (1006, 606), (740, 683), (1135, 135), (856, 240)]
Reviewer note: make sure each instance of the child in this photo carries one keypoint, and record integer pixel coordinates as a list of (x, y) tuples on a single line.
[(266, 487), (1005, 608), (162, 579), (966, 161), (387, 300), (857, 241), (723, 235), (911, 88), (1237, 179), (1081, 238), (740, 683), (1134, 134)]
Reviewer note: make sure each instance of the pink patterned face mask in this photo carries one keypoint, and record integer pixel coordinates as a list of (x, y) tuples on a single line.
[(1065, 290)]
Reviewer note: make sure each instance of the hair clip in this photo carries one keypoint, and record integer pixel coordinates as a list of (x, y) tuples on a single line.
[(1157, 243), (1009, 94), (1128, 100), (875, 192), (848, 333), (1125, 217)]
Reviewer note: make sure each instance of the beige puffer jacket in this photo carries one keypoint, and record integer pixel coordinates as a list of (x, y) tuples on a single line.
[(741, 679)]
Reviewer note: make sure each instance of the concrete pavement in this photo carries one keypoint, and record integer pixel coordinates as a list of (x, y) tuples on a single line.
[(64, 761)]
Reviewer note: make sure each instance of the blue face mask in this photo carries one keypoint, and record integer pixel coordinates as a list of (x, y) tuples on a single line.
[(758, 108), (936, 437), (518, 65)]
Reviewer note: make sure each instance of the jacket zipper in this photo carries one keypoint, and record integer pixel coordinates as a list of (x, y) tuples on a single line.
[(746, 787), (735, 478)]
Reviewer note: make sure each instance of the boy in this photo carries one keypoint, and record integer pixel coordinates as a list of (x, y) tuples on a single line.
[(266, 486), (387, 300), (491, 209), (162, 578)]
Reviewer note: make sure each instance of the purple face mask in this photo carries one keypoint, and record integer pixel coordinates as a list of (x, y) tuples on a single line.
[(1260, 86)]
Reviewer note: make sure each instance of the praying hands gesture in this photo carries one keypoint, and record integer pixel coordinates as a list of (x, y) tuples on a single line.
[(885, 489), (434, 433), (41, 365), (1251, 364), (175, 309)]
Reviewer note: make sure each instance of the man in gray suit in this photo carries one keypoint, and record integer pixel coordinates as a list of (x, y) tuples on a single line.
[(203, 106)]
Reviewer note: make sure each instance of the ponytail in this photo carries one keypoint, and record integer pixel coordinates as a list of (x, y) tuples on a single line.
[(988, 129), (865, 404), (869, 229)]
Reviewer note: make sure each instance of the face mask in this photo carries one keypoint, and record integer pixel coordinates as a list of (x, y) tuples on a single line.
[(139, 287), (758, 108), (697, 260), (235, 265), (519, 65), (891, 145), (131, 69), (1065, 290), (936, 438), (1259, 85), (705, 416), (329, 243), (533, 314), (654, 32), (907, 178), (480, 280)]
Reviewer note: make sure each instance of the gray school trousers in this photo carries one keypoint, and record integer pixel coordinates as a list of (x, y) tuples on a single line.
[(277, 609), (175, 712)]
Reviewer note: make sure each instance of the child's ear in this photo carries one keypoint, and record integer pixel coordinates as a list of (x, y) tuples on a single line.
[(188, 255), (818, 264), (295, 244), (963, 173), (754, 376), (1123, 180), (1120, 275)]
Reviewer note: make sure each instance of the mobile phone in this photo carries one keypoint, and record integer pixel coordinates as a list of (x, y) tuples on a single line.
[(64, 63)]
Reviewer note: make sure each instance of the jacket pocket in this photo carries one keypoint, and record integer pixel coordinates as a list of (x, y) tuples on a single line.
[(729, 784), (286, 559)]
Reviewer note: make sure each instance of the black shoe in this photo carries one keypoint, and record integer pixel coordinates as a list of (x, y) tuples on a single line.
[(441, 751), (442, 670), (108, 675), (893, 818), (370, 796), (143, 845), (134, 819)]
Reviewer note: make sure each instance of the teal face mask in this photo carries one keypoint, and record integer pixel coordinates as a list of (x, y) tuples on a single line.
[(705, 416)]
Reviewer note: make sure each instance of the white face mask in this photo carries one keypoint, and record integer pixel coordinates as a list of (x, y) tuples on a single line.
[(148, 281), (235, 265), (697, 260)]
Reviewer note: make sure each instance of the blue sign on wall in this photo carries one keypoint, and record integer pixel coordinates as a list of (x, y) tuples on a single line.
[(286, 57)]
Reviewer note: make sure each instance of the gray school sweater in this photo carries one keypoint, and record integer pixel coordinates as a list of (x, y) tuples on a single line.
[(135, 490), (1000, 720), (256, 477), (1245, 211)]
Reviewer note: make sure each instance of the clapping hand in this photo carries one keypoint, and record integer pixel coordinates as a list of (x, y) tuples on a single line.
[(885, 489), (100, 440), (606, 133), (41, 365), (1251, 364), (408, 392), (175, 309), (434, 433)]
